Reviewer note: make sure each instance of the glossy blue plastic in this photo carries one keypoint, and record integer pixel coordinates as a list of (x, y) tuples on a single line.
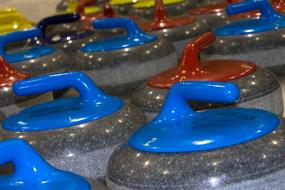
[(27, 54), (32, 172), (178, 128), (57, 19), (269, 19), (92, 103), (134, 37)]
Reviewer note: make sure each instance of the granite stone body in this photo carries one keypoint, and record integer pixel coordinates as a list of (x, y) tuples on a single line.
[(123, 9), (55, 62), (257, 90), (217, 19), (83, 149), (257, 164), (121, 71), (179, 36), (263, 48), (171, 10), (202, 3)]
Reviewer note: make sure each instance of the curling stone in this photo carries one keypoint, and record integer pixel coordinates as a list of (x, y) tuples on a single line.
[(76, 134), (224, 148), (37, 60), (33, 172), (258, 40), (259, 88), (120, 63)]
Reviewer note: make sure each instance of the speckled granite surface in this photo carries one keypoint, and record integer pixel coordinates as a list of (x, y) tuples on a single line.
[(127, 68), (83, 148), (257, 164)]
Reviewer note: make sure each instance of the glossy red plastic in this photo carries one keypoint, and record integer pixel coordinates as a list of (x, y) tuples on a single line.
[(279, 5), (9, 75), (161, 21), (191, 68)]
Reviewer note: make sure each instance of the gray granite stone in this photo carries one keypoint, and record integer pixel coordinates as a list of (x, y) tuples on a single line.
[(258, 90), (84, 148), (55, 62), (202, 3), (217, 19), (123, 9), (257, 164), (121, 71)]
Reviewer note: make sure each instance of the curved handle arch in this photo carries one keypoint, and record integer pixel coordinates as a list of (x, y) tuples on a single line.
[(176, 104), (81, 82)]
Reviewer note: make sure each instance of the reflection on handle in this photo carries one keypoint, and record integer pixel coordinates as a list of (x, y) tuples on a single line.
[(263, 6), (176, 104), (28, 163), (17, 36), (81, 82), (58, 19)]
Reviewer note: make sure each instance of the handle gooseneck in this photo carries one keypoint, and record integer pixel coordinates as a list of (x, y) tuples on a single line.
[(190, 60), (108, 11), (176, 103), (134, 32), (81, 82), (28, 163), (111, 23)]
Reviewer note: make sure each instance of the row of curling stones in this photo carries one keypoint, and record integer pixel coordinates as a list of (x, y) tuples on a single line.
[(9, 102), (259, 87), (107, 12), (33, 172), (178, 30), (145, 9), (76, 134), (223, 148), (258, 40), (117, 64), (64, 32), (120, 63)]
